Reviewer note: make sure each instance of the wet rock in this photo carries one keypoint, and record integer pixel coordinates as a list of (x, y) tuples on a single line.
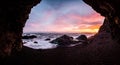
[(64, 40), (82, 38), (35, 42), (29, 37), (47, 39)]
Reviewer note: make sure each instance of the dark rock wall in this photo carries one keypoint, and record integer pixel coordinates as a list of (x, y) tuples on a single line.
[(105, 28), (110, 9), (13, 15)]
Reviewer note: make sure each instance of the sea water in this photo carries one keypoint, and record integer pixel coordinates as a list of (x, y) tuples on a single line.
[(41, 43)]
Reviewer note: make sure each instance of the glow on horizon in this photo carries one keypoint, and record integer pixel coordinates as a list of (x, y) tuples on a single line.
[(60, 16)]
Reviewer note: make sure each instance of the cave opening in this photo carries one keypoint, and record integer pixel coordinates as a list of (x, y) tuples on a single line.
[(51, 19), (104, 49)]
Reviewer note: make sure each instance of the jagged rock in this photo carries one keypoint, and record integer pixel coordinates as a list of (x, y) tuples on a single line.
[(105, 27), (29, 37), (82, 38), (35, 42), (64, 40), (47, 39)]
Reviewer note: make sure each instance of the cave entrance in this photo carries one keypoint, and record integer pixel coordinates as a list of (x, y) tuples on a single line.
[(61, 16)]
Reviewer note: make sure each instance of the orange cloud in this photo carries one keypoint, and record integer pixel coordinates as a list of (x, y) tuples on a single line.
[(90, 29), (70, 22), (78, 23)]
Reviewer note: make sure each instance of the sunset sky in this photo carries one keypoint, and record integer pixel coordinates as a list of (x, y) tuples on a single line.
[(63, 16)]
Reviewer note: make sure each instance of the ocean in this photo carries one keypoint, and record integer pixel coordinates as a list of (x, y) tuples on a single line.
[(40, 41)]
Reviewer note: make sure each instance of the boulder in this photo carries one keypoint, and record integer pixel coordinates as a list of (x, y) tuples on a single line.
[(35, 42), (47, 39), (64, 40), (29, 37), (82, 38)]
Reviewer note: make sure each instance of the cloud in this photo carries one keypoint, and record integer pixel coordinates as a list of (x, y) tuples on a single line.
[(63, 16), (78, 23)]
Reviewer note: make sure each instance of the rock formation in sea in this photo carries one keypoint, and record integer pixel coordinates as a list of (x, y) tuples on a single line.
[(64, 40), (29, 37), (83, 39)]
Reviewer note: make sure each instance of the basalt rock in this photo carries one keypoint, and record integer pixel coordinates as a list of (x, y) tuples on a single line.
[(111, 11), (82, 38), (47, 39), (29, 37), (64, 40), (35, 42), (105, 27), (13, 15)]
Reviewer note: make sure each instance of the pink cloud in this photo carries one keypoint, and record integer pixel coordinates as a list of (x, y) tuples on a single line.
[(77, 23), (70, 22), (94, 17)]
